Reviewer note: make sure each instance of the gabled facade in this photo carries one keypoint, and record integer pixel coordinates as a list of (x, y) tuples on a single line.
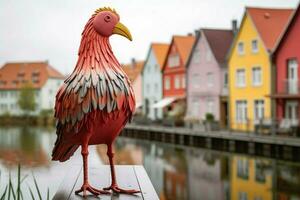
[(43, 78), (175, 66), (250, 66), (152, 80), (286, 63), (207, 75), (134, 73)]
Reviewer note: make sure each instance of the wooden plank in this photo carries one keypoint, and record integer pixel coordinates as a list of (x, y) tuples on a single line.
[(67, 186), (99, 178), (148, 190)]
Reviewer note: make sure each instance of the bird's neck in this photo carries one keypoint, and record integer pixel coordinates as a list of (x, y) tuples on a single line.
[(95, 52)]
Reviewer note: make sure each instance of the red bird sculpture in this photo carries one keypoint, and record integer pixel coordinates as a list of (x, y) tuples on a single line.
[(96, 100)]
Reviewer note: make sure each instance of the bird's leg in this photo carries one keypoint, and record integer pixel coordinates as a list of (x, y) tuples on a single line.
[(114, 186), (86, 186)]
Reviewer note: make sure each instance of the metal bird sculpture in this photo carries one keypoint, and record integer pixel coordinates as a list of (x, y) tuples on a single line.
[(96, 100)]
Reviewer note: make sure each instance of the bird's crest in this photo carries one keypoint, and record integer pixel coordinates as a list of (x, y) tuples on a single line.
[(107, 9)]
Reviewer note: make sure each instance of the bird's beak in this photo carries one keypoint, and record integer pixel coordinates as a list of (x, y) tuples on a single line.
[(121, 29)]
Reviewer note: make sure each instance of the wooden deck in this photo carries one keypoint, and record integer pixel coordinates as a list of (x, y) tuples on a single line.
[(128, 177)]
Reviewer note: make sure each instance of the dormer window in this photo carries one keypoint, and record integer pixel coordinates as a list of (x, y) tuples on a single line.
[(173, 60), (254, 46), (240, 49)]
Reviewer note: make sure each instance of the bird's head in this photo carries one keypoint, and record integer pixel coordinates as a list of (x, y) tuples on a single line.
[(106, 23)]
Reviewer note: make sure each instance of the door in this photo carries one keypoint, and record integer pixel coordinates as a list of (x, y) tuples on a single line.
[(291, 111), (292, 79)]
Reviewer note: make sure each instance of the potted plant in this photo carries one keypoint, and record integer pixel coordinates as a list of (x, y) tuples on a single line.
[(210, 123)]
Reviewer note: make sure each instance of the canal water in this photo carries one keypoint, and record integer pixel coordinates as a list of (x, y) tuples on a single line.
[(176, 172)]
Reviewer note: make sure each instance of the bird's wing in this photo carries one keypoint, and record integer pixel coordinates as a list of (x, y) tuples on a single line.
[(94, 90)]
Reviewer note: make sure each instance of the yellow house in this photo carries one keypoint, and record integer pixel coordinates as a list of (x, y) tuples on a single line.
[(250, 178), (249, 66)]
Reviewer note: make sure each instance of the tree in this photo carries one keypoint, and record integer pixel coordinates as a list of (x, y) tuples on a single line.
[(27, 99)]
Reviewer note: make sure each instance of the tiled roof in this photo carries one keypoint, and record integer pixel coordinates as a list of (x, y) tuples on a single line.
[(184, 45), (14, 75), (287, 29), (133, 69), (269, 23), (160, 51), (219, 42)]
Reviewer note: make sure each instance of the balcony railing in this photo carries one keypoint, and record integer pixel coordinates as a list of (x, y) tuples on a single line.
[(291, 86)]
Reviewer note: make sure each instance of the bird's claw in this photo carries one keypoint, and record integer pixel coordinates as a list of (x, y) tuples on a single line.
[(86, 187), (117, 189)]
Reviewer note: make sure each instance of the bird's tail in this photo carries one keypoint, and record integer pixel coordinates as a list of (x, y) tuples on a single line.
[(63, 148), (62, 151)]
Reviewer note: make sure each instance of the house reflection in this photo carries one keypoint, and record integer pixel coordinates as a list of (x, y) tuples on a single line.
[(28, 146), (194, 173), (251, 178), (287, 182), (208, 175)]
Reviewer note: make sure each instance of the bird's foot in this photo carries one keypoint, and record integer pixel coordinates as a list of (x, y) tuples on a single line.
[(116, 189), (86, 187)]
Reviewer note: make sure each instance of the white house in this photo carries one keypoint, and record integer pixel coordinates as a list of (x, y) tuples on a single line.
[(44, 79), (152, 80)]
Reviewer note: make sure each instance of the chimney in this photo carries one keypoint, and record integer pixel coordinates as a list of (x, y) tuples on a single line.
[(133, 62), (234, 26), (197, 33)]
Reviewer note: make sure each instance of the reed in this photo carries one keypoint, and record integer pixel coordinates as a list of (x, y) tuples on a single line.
[(15, 191)]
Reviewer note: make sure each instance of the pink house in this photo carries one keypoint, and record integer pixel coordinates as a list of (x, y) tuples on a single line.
[(207, 76)]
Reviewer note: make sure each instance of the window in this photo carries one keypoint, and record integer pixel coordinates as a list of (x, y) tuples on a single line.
[(209, 106), (208, 56), (240, 78), (254, 46), (259, 109), (196, 56), (167, 83), (155, 87), (242, 168), (195, 108), (226, 79), (173, 60), (260, 175), (241, 48), (241, 111), (210, 79), (183, 81), (196, 80), (177, 82), (243, 196), (256, 76)]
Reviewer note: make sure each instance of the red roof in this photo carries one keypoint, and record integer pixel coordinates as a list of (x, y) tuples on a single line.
[(14, 75), (184, 45), (269, 23), (219, 42)]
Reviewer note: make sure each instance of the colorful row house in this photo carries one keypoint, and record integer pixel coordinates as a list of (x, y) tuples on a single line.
[(152, 80), (174, 76), (250, 66), (207, 77), (286, 65)]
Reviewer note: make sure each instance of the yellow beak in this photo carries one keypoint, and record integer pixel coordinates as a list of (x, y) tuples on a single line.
[(121, 29)]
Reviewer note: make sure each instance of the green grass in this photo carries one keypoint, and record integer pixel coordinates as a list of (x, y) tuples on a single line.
[(16, 192)]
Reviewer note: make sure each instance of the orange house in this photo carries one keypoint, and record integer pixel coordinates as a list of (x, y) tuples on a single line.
[(174, 69)]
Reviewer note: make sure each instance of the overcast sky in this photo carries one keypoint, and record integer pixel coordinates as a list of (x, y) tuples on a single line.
[(51, 29)]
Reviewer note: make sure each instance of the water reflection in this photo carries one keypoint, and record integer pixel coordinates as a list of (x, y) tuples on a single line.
[(176, 173), (28, 146), (193, 173)]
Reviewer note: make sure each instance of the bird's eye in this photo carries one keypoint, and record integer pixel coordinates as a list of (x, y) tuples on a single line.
[(107, 18)]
